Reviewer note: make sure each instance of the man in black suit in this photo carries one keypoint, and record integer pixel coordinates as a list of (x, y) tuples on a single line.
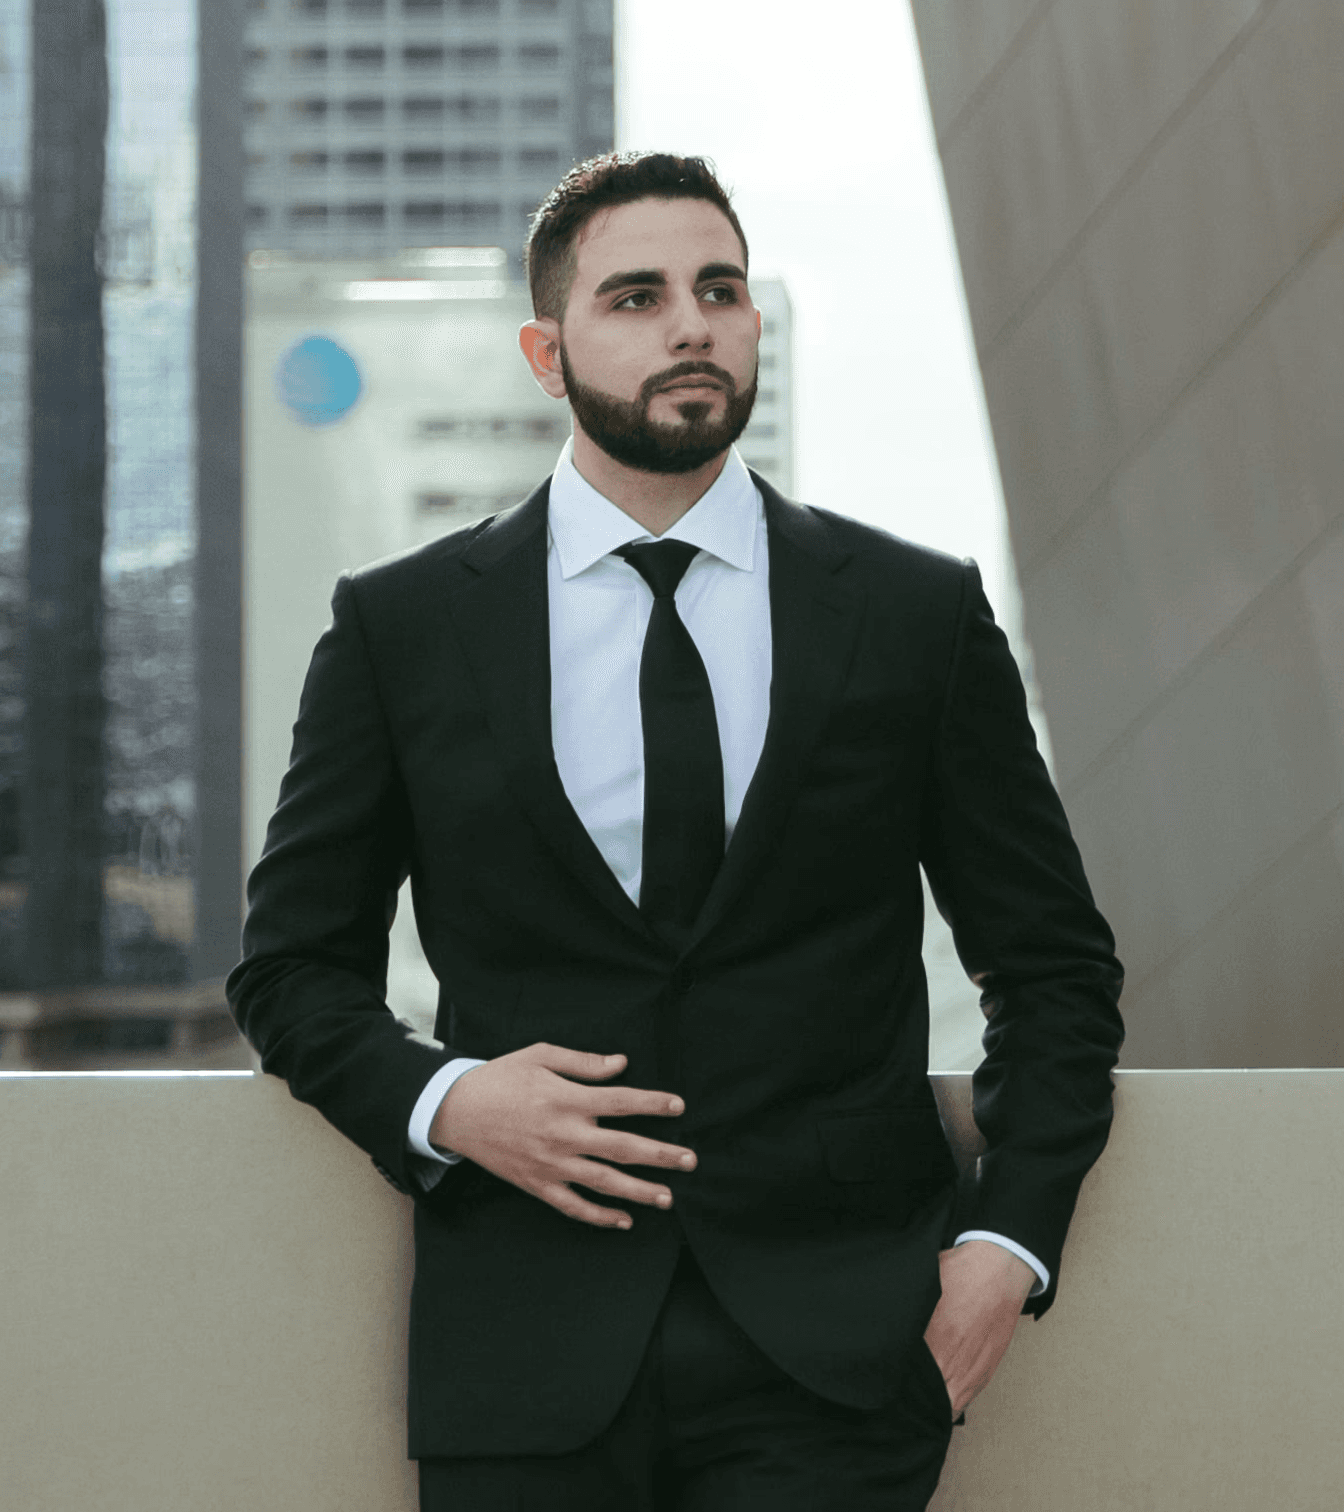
[(662, 754)]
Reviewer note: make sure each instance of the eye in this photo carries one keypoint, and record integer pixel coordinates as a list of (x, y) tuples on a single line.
[(639, 299), (721, 294)]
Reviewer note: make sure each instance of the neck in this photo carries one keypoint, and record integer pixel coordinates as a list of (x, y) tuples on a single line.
[(655, 501)]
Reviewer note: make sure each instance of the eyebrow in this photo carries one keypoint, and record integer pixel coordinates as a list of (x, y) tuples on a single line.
[(651, 278), (637, 278)]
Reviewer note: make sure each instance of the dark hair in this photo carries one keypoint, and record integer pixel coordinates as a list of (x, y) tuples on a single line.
[(615, 178)]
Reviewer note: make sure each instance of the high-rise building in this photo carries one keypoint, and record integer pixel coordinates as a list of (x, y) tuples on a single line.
[(767, 442), (373, 125)]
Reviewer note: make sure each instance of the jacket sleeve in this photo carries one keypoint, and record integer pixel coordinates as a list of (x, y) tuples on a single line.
[(1007, 876), (310, 991)]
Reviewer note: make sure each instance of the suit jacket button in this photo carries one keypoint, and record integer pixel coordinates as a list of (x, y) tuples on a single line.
[(683, 979)]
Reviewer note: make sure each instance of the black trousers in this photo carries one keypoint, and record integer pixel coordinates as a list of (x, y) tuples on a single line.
[(711, 1425)]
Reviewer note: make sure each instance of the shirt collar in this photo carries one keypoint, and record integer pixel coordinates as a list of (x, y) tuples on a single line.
[(586, 526)]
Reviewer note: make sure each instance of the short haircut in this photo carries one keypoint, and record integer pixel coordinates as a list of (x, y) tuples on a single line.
[(615, 178)]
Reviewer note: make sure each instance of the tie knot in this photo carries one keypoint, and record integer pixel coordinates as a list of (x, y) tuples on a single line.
[(662, 564)]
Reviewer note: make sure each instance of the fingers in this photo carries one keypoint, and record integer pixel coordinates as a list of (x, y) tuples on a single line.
[(580, 1064), (632, 1102), (631, 1149), (609, 1182), (606, 1102), (567, 1201)]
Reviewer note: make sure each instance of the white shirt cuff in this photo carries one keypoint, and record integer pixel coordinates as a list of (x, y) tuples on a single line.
[(1042, 1275), (427, 1105)]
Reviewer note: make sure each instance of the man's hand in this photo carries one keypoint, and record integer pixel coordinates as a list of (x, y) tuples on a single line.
[(984, 1287), (527, 1118)]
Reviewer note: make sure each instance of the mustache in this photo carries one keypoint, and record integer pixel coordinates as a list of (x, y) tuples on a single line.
[(658, 381)]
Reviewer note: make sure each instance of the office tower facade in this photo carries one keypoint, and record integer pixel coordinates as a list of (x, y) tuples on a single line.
[(373, 125), (120, 307), (1147, 202), (767, 442)]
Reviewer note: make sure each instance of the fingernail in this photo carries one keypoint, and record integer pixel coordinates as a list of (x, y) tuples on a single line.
[(612, 1059), (676, 1106), (623, 1223), (664, 1199), (687, 1161)]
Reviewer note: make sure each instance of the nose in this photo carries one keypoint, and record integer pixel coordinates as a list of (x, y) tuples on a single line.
[(688, 330)]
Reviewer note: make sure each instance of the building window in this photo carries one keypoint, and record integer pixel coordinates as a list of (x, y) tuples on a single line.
[(255, 56), (422, 160), (422, 7), (368, 108), (308, 162), (308, 215), (492, 428), (475, 160), (422, 108), (462, 215), (307, 58), (365, 7), (256, 160), (365, 162), (766, 396), (478, 58), (372, 213), (465, 507), (308, 7), (766, 360), (539, 159), (257, 215), (422, 55), (364, 57), (538, 7), (254, 108), (475, 107), (539, 107), (597, 52), (539, 55), (313, 109), (760, 433), (479, 7)]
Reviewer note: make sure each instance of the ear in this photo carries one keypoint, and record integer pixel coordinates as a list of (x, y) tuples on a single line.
[(758, 325), (540, 341)]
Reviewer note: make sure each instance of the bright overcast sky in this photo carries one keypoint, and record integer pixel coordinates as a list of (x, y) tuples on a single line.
[(816, 119)]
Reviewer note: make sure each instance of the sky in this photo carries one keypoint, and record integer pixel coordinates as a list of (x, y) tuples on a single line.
[(822, 134)]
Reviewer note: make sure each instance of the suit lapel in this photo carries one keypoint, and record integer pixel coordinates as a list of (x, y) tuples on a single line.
[(502, 617), (813, 621)]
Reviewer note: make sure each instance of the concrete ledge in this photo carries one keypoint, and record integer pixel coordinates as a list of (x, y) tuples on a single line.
[(204, 1300)]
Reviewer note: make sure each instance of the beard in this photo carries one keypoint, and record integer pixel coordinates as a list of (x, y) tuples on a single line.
[(623, 429)]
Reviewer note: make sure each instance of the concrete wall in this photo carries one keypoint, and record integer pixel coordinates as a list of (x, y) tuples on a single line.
[(204, 1307), (1149, 206)]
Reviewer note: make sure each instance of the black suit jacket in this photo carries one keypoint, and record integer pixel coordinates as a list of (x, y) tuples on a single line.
[(794, 1022)]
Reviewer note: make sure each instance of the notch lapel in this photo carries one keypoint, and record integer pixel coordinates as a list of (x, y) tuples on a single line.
[(502, 617), (813, 623)]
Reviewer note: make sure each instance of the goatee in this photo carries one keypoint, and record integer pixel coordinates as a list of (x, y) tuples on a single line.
[(623, 429)]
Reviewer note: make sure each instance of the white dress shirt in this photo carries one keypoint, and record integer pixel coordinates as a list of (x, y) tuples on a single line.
[(599, 609)]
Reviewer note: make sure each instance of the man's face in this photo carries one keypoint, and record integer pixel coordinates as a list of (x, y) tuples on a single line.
[(658, 343)]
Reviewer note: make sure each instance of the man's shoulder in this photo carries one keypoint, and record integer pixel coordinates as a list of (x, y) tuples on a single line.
[(866, 550), (886, 551), (432, 565)]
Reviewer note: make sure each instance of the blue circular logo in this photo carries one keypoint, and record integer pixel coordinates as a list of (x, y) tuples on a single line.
[(318, 380)]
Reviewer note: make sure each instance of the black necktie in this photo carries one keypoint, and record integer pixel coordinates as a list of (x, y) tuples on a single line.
[(683, 763)]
